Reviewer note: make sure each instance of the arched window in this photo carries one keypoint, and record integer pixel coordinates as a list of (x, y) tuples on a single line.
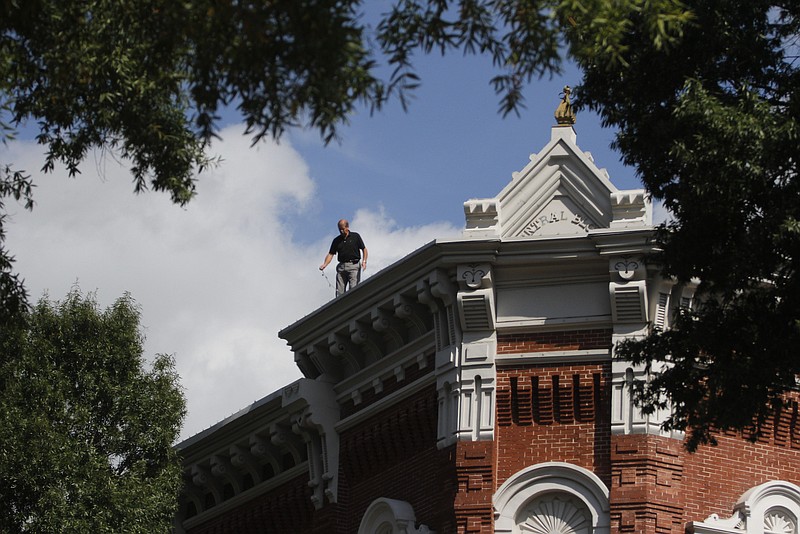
[(390, 516), (552, 498), (770, 508)]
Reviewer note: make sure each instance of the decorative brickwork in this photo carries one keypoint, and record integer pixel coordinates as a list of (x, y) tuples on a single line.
[(715, 477), (552, 413), (647, 480), (554, 341), (473, 502), (658, 487)]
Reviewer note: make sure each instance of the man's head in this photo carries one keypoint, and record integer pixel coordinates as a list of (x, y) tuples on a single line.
[(344, 227)]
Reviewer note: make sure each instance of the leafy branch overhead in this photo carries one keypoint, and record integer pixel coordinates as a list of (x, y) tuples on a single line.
[(148, 78)]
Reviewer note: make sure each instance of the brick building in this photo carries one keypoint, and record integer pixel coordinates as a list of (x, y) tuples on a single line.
[(470, 387)]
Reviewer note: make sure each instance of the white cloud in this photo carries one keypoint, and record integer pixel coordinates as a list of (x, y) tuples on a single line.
[(387, 242), (216, 280)]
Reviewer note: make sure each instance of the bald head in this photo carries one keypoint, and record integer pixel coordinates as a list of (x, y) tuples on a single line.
[(344, 227)]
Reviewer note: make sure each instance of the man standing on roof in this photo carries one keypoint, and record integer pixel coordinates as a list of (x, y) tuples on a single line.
[(347, 246)]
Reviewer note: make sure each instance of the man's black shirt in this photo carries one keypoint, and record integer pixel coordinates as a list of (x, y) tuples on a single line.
[(347, 248)]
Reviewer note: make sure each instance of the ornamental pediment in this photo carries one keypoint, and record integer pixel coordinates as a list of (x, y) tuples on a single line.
[(561, 192)]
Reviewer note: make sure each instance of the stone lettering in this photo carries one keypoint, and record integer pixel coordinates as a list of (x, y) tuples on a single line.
[(554, 217)]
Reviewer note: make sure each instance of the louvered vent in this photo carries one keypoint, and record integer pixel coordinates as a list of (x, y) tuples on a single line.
[(475, 309), (661, 311), (629, 306)]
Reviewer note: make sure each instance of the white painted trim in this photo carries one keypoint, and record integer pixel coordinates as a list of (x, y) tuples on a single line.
[(399, 515), (550, 477), (752, 508), (583, 322), (385, 366), (558, 356)]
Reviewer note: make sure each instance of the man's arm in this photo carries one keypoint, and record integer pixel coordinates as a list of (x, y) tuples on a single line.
[(364, 259), (325, 263)]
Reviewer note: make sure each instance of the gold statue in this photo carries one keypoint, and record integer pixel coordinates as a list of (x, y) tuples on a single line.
[(564, 114)]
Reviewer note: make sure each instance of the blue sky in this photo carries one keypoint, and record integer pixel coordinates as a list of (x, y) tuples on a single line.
[(218, 279), (451, 145)]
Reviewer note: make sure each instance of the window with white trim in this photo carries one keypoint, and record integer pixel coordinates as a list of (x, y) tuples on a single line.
[(552, 498), (770, 508), (391, 516)]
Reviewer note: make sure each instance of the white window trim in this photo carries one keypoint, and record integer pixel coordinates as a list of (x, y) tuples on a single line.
[(751, 509), (550, 477), (399, 515)]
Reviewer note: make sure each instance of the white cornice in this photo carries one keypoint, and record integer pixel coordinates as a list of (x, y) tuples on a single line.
[(626, 241), (397, 278)]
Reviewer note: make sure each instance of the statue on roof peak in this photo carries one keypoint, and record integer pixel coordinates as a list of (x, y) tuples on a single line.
[(565, 116)]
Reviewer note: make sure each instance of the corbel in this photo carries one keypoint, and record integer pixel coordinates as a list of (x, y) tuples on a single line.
[(412, 313), (367, 339), (242, 458), (389, 326), (202, 477), (221, 468)]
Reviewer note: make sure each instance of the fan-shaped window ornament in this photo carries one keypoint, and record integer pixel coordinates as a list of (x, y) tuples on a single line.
[(552, 498), (555, 513), (780, 521)]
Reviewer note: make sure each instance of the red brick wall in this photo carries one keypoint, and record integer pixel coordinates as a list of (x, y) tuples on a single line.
[(394, 455), (287, 508), (646, 484), (658, 487), (715, 477), (473, 502), (553, 413), (553, 341)]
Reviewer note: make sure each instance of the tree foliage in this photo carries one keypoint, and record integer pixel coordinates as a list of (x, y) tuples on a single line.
[(704, 95), (711, 125), (86, 432)]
